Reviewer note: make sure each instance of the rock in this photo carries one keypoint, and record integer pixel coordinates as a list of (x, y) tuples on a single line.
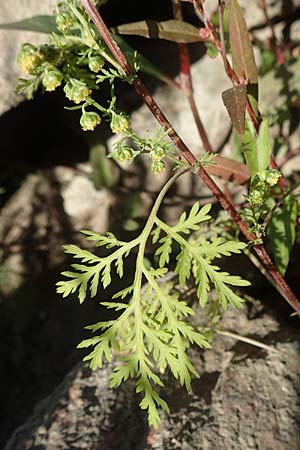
[(253, 12), (31, 220), (11, 41), (246, 398), (209, 82), (37, 327), (48, 210), (86, 207)]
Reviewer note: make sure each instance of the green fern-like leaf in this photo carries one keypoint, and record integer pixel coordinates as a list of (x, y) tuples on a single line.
[(218, 247), (184, 264), (108, 240), (164, 250), (199, 256), (153, 330), (191, 222)]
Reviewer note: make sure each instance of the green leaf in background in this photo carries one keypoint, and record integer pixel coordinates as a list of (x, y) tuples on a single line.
[(145, 65), (132, 210), (268, 61), (102, 174), (215, 19), (235, 101), (39, 24), (237, 148), (171, 30), (212, 51), (281, 232), (257, 149)]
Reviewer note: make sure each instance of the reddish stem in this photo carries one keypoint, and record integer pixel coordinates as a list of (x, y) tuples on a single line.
[(221, 46), (143, 92), (222, 38), (186, 80)]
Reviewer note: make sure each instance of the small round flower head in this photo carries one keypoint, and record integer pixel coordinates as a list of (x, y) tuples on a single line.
[(88, 37), (158, 167), (52, 78), (119, 123), (76, 90), (64, 21), (256, 198), (95, 63), (124, 154), (272, 177), (157, 153), (89, 120), (29, 59)]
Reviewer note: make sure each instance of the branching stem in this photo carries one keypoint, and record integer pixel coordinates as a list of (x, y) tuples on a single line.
[(143, 92), (186, 81)]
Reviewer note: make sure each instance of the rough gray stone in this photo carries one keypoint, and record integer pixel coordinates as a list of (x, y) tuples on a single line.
[(252, 10), (209, 82), (246, 398), (11, 41), (43, 214), (86, 207)]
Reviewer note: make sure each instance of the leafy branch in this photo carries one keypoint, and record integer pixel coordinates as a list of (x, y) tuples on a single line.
[(185, 153), (153, 331)]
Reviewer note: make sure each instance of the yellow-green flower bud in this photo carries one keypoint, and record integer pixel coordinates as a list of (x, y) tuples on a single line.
[(256, 198), (29, 59), (95, 63), (157, 153), (88, 37), (261, 176), (52, 78), (272, 177), (76, 90), (119, 123), (125, 154), (158, 167), (89, 120), (64, 21)]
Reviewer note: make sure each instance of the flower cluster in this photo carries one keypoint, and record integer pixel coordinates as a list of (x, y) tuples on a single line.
[(75, 60), (52, 78), (157, 154), (261, 186), (64, 21), (119, 123), (261, 200), (89, 120), (29, 59), (76, 91)]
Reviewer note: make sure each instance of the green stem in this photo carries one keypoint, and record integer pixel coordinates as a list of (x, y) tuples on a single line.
[(153, 215), (90, 101), (86, 25), (139, 271)]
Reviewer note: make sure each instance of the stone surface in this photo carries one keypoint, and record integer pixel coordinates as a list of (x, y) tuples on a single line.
[(39, 330), (246, 398), (11, 41), (209, 82), (252, 10), (48, 210), (87, 207)]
